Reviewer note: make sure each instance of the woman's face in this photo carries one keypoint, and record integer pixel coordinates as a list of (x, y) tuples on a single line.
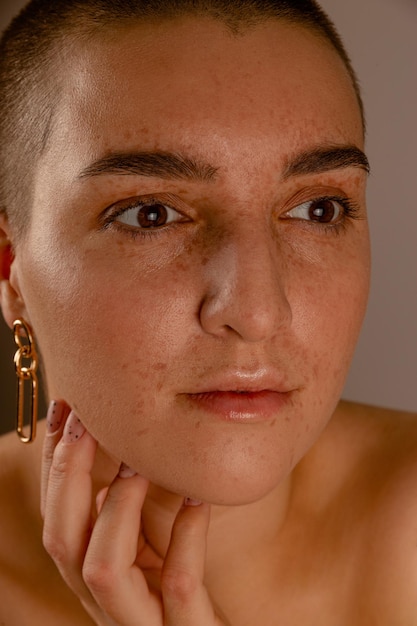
[(201, 257)]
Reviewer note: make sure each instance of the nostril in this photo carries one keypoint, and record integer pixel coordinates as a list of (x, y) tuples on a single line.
[(252, 319)]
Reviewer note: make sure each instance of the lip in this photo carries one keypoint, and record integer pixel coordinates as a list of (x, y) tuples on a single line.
[(246, 380), (242, 396), (241, 406)]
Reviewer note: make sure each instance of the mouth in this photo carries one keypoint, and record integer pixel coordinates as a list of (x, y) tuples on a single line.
[(240, 405)]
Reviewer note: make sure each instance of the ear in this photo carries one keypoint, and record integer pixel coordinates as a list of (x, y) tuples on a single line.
[(11, 302)]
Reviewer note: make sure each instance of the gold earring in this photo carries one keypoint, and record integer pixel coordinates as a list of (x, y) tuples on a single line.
[(23, 337)]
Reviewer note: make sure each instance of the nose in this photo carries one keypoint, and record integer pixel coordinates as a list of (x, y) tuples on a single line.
[(245, 289)]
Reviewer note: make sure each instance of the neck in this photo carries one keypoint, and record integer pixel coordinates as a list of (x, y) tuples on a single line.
[(240, 543), (236, 535)]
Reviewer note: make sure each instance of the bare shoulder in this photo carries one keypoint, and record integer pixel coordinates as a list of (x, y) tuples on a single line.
[(381, 449), (382, 445), (367, 445), (19, 476), (20, 522)]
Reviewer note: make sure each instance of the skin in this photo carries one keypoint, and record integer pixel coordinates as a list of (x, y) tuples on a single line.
[(234, 289), (240, 287)]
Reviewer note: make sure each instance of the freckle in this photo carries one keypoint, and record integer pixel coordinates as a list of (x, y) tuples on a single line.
[(182, 267), (160, 367), (144, 431), (287, 419), (274, 421), (198, 424)]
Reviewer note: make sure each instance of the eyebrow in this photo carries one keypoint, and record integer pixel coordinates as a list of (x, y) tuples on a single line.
[(157, 164), (324, 159), (174, 166)]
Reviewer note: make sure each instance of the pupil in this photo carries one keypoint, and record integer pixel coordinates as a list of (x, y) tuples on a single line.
[(322, 211), (150, 216)]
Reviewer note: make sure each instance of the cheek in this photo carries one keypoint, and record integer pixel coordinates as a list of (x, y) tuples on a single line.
[(104, 330), (329, 313)]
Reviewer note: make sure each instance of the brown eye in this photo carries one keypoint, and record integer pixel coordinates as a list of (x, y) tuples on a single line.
[(151, 215), (323, 211)]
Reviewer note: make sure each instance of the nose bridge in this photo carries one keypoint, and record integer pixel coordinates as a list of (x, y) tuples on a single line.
[(246, 286)]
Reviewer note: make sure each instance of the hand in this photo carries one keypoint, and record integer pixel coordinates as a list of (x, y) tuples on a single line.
[(104, 558)]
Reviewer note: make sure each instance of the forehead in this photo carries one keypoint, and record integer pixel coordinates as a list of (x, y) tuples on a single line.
[(189, 81)]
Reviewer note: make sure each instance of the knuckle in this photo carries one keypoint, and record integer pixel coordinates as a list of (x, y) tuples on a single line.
[(67, 461), (71, 461), (48, 454), (100, 577), (60, 468), (55, 547), (117, 497), (179, 584)]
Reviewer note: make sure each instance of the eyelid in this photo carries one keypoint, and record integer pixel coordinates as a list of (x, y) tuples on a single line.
[(117, 209), (307, 204), (138, 206), (348, 208)]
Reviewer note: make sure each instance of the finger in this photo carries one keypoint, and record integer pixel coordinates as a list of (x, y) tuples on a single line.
[(68, 502), (56, 417), (186, 600), (100, 499), (117, 584)]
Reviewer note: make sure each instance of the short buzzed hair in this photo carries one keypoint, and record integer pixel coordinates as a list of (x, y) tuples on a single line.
[(34, 47)]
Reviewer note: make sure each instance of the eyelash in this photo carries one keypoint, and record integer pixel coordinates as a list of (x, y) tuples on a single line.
[(350, 211), (111, 221)]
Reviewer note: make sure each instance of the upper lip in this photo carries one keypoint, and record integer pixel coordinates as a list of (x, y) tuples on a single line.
[(252, 381)]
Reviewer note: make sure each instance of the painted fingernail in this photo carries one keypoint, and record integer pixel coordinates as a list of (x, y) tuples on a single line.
[(73, 430), (54, 417), (125, 471), (192, 502)]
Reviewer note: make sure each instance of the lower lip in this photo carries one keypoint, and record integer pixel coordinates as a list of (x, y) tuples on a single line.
[(241, 407)]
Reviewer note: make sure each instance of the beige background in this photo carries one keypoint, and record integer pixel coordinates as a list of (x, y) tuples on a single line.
[(381, 38)]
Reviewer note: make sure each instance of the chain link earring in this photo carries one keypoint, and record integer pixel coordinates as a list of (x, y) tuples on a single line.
[(26, 365)]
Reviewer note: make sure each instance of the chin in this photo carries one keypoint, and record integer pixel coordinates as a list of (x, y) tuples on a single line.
[(223, 486)]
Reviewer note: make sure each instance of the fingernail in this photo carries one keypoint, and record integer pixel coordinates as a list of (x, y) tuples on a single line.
[(125, 471), (192, 502), (54, 417), (73, 430)]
